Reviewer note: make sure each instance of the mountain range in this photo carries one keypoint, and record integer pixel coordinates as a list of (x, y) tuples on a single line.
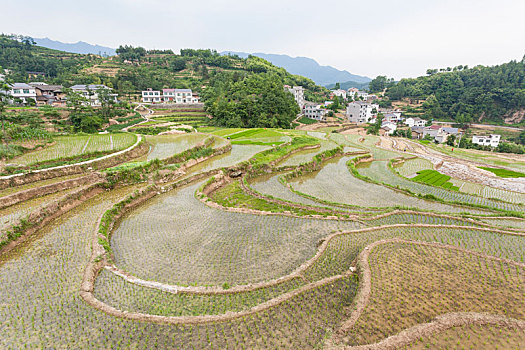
[(307, 67), (78, 47)]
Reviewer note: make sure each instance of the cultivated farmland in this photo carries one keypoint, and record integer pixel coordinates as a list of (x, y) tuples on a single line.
[(271, 239)]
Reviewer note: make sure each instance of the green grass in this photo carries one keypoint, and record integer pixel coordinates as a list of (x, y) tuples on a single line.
[(306, 120), (503, 172), (273, 154), (435, 178)]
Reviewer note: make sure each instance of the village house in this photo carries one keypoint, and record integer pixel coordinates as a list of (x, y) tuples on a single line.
[(361, 112), (339, 93), (415, 121), (23, 92), (51, 95), (491, 140), (387, 128), (417, 132), (393, 117), (298, 94), (91, 93), (151, 96), (314, 111), (178, 96)]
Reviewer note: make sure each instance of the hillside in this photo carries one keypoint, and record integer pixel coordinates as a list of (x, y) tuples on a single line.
[(78, 47), (495, 94), (350, 84), (242, 92), (307, 67)]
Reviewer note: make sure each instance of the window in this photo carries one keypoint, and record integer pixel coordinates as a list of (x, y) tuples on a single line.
[(26, 91), (16, 91)]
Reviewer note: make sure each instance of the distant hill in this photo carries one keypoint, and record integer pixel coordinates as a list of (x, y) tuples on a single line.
[(350, 84), (79, 47), (307, 67)]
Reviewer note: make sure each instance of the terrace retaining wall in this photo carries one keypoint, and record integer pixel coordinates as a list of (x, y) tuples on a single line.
[(140, 149), (31, 193)]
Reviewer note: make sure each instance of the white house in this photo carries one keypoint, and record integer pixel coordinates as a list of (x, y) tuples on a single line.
[(179, 96), (91, 93), (361, 112), (415, 122), (151, 96), (339, 93), (328, 103), (389, 127), (392, 117), (491, 140), (298, 94), (363, 95), (351, 93), (23, 91), (314, 111)]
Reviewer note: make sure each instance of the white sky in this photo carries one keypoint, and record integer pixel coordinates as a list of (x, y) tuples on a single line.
[(388, 37)]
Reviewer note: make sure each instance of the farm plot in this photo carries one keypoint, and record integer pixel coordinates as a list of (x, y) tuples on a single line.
[(115, 291), (412, 284), (165, 146), (410, 167), (11, 215), (342, 251), (48, 313), (72, 146), (238, 154), (489, 192), (271, 186), (473, 337), (379, 171), (335, 183), (11, 190), (308, 155), (506, 222), (369, 142), (206, 246)]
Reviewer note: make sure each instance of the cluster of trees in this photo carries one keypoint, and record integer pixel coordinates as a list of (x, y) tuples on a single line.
[(86, 119), (19, 55), (242, 99), (379, 83), (479, 92)]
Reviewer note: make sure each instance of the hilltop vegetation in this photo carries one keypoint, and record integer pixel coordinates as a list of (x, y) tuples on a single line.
[(467, 93)]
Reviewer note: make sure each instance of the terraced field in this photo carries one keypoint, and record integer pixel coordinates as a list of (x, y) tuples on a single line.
[(380, 172), (164, 146), (72, 146), (155, 262)]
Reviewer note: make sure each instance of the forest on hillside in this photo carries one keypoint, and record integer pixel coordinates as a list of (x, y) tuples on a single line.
[(478, 93)]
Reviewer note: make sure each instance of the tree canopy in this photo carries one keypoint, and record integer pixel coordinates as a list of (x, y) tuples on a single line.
[(479, 92)]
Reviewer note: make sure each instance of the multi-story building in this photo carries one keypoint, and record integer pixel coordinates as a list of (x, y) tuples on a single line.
[(179, 96), (491, 140), (298, 94), (23, 92), (151, 96), (314, 111), (91, 93), (361, 112)]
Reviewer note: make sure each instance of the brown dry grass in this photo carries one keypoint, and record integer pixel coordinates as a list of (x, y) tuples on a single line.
[(474, 337), (413, 284)]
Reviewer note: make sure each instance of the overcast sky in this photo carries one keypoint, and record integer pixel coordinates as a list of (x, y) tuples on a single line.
[(382, 37)]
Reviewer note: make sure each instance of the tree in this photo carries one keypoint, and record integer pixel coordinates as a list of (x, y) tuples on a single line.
[(107, 103), (337, 86), (521, 138), (4, 101), (451, 140)]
